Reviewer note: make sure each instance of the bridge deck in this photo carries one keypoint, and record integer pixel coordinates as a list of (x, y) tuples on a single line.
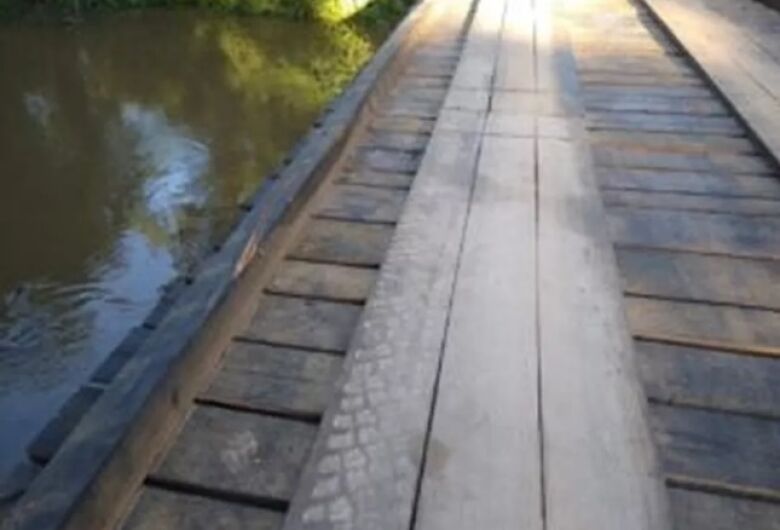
[(537, 290)]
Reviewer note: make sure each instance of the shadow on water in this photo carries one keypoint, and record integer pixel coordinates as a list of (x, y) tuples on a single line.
[(127, 144)]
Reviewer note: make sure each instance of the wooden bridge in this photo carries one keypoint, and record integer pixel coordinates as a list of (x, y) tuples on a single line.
[(524, 273)]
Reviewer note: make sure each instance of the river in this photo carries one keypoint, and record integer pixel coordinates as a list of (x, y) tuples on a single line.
[(127, 141)]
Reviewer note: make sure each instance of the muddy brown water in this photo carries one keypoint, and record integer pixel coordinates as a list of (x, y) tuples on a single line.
[(126, 143)]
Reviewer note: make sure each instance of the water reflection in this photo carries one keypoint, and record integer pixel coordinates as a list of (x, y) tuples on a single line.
[(127, 143)]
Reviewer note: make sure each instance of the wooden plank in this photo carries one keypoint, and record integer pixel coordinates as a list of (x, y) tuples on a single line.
[(707, 162), (381, 159), (641, 92), (360, 203), (630, 65), (404, 124), (700, 232), (732, 327), (322, 280), (694, 510), (720, 185), (593, 418), (159, 509), (726, 448), (710, 379), (305, 323), (718, 279), (483, 457), (271, 378), (398, 140), (640, 121), (380, 179), (238, 452), (366, 461), (674, 143), (343, 242), (633, 80), (692, 203), (410, 108), (628, 101)]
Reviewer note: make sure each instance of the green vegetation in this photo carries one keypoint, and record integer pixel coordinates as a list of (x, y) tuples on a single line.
[(373, 11)]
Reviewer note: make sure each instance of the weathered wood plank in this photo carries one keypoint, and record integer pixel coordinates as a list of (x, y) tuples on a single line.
[(286, 380), (692, 203), (305, 323), (323, 280), (653, 104), (704, 324), (159, 509), (343, 242), (710, 162), (701, 183), (397, 140), (594, 426), (361, 203), (694, 510), (640, 121), (698, 277), (381, 159), (405, 124), (641, 92), (243, 453), (379, 179), (638, 80), (710, 379), (484, 457), (365, 465), (674, 143), (699, 232), (714, 446)]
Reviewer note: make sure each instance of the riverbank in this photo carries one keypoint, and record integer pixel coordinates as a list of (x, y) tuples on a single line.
[(374, 12)]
